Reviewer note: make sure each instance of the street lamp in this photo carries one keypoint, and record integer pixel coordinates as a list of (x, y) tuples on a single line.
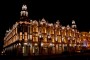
[(51, 45), (41, 44)]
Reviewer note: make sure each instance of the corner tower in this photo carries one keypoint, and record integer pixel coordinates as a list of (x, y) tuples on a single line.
[(73, 24), (24, 13)]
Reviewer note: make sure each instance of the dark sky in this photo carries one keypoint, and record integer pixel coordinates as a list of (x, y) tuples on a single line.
[(65, 11)]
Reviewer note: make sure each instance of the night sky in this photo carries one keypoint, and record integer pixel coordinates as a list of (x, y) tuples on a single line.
[(65, 11)]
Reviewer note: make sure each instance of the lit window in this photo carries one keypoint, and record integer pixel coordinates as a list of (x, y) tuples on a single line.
[(30, 29), (35, 44), (70, 44), (36, 34), (52, 39), (30, 37), (52, 32), (45, 39), (59, 39), (64, 40), (35, 39), (20, 33), (44, 30), (56, 39), (59, 33), (25, 36), (36, 29), (20, 36)]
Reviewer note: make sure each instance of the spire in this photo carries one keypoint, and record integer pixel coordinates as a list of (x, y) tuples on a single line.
[(73, 24), (58, 22), (24, 12), (24, 7)]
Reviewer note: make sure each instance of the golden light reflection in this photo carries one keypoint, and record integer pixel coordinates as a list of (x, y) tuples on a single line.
[(41, 36)]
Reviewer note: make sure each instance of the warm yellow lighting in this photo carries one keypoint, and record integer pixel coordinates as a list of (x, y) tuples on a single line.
[(41, 44), (20, 36), (19, 43), (25, 43), (53, 40), (30, 37), (47, 37), (35, 39), (51, 44), (20, 33), (25, 36), (35, 44)]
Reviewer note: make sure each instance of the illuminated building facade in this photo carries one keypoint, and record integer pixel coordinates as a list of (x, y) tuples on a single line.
[(32, 37)]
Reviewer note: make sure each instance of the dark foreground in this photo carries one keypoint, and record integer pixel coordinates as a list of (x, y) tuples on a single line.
[(81, 56)]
